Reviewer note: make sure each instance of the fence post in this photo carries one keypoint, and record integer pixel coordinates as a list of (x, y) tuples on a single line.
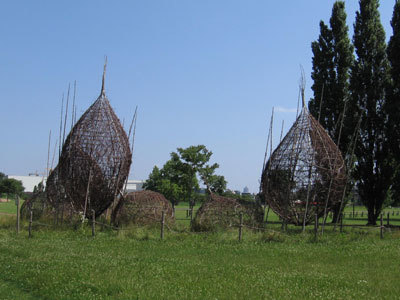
[(388, 219), (341, 223), (30, 221), (316, 226), (283, 225), (191, 215), (93, 222), (162, 224), (240, 226), (381, 226), (17, 203)]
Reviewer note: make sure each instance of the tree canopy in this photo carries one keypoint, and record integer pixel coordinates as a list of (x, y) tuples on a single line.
[(178, 179)]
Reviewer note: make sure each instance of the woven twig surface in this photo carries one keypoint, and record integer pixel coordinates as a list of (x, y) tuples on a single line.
[(223, 212), (142, 208), (94, 161), (305, 173)]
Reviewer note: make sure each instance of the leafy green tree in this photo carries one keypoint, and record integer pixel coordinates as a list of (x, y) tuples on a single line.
[(369, 81), (161, 181), (215, 183), (178, 178), (393, 98), (11, 186), (2, 176), (332, 60)]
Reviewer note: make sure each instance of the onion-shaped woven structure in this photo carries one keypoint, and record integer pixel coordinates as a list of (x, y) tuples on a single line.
[(94, 161), (142, 208), (223, 212), (306, 174)]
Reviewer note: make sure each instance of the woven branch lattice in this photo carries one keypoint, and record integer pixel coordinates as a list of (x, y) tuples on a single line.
[(306, 174), (223, 212), (94, 161), (142, 208)]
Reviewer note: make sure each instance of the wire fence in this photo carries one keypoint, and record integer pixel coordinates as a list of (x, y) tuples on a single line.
[(237, 223)]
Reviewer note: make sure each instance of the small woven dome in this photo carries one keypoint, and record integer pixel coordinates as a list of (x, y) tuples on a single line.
[(142, 208), (223, 212), (305, 174)]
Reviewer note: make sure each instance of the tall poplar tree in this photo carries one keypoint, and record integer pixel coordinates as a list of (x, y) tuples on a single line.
[(393, 98), (368, 83), (332, 60)]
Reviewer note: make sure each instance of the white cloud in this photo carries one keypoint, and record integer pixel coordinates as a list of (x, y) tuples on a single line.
[(285, 110)]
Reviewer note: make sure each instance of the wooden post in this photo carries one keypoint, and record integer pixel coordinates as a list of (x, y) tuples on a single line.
[(17, 203), (240, 226), (381, 226), (162, 224), (30, 221), (266, 217), (316, 226), (93, 222), (388, 219), (191, 215), (341, 223)]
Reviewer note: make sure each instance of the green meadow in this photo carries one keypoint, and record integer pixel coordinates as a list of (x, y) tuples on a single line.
[(133, 263)]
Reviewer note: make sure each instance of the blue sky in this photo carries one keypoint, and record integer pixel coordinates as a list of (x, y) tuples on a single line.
[(201, 72)]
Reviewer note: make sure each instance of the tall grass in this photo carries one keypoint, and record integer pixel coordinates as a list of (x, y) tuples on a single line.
[(135, 264)]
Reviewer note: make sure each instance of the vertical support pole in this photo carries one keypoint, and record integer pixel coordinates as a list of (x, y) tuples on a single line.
[(17, 200), (381, 226), (353, 207), (316, 226), (162, 224), (30, 221), (341, 223), (266, 217), (93, 222), (191, 215), (240, 226), (283, 226), (388, 219)]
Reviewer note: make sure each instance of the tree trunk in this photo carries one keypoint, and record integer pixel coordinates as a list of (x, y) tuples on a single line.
[(372, 216)]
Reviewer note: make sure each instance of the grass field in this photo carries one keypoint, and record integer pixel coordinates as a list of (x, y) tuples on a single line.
[(64, 263), (9, 207)]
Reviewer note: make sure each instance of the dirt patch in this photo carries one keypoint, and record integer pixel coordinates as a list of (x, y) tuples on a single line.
[(2, 200)]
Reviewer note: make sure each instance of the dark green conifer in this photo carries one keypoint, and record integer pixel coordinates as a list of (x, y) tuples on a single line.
[(369, 81)]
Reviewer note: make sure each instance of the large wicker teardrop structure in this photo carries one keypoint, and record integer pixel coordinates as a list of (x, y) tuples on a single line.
[(94, 161), (306, 174)]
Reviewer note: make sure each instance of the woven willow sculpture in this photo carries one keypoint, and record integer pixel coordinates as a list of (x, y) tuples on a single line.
[(142, 208), (223, 212), (306, 174), (94, 161)]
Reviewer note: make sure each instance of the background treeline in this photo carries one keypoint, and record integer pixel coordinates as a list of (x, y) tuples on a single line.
[(356, 85)]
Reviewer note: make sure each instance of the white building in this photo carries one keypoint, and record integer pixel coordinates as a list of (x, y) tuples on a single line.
[(134, 185), (29, 182)]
